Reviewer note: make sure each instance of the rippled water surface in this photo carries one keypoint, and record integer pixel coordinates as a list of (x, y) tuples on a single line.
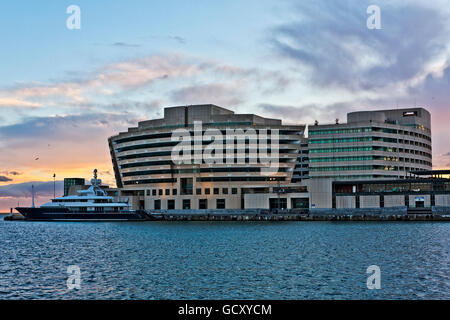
[(289, 260)]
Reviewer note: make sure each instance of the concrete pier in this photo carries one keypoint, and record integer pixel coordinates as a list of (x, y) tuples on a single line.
[(264, 215)]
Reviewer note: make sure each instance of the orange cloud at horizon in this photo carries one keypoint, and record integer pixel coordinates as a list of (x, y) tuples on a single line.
[(67, 148)]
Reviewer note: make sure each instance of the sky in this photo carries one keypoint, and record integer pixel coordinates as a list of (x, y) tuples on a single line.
[(64, 91)]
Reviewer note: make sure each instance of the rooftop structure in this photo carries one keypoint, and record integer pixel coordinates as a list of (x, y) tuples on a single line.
[(144, 166), (381, 144)]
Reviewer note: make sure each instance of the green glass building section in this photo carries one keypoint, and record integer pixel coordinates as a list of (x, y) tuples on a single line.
[(68, 182)]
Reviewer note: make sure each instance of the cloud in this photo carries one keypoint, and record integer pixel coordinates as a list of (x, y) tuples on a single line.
[(62, 144), (41, 188), (140, 78), (34, 95), (4, 177), (106, 172), (149, 108), (178, 39), (142, 71), (220, 94), (13, 102), (307, 113), (73, 143), (114, 78), (65, 127), (13, 173), (435, 89), (125, 45), (110, 80), (330, 41), (434, 94)]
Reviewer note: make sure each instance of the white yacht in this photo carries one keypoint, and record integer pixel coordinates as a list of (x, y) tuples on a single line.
[(90, 204)]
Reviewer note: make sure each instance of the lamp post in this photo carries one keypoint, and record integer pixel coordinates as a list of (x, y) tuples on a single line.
[(54, 185)]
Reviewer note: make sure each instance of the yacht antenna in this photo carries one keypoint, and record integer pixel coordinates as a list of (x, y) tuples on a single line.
[(95, 176)]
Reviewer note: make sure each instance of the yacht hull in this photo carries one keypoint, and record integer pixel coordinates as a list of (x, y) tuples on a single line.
[(64, 214)]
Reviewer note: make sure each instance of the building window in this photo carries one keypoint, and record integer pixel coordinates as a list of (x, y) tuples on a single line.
[(148, 193), (171, 204), (216, 190), (186, 204), (300, 203), (154, 192), (160, 192), (203, 203), (199, 191), (207, 191), (234, 190), (167, 192), (174, 192), (410, 114), (276, 203), (225, 190), (220, 203), (157, 204), (186, 186)]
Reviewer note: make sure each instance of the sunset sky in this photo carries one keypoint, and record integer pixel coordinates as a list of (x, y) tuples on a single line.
[(64, 92)]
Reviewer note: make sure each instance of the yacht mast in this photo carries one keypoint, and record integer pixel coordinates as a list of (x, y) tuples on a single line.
[(32, 195)]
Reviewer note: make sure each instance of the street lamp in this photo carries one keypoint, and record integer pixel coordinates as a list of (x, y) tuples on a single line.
[(54, 185), (278, 193)]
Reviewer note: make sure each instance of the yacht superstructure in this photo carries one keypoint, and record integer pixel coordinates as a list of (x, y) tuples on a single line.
[(90, 204)]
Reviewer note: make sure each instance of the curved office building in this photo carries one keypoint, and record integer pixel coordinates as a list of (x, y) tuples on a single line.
[(176, 163), (372, 145)]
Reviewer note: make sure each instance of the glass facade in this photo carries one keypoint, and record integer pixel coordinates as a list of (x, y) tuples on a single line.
[(313, 132), (354, 168), (68, 182), (392, 187), (346, 149), (338, 159), (340, 140)]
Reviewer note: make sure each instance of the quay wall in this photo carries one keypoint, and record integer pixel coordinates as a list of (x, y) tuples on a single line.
[(371, 214), (392, 211)]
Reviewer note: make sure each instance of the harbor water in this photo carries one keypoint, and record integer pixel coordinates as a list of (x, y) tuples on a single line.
[(224, 260)]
